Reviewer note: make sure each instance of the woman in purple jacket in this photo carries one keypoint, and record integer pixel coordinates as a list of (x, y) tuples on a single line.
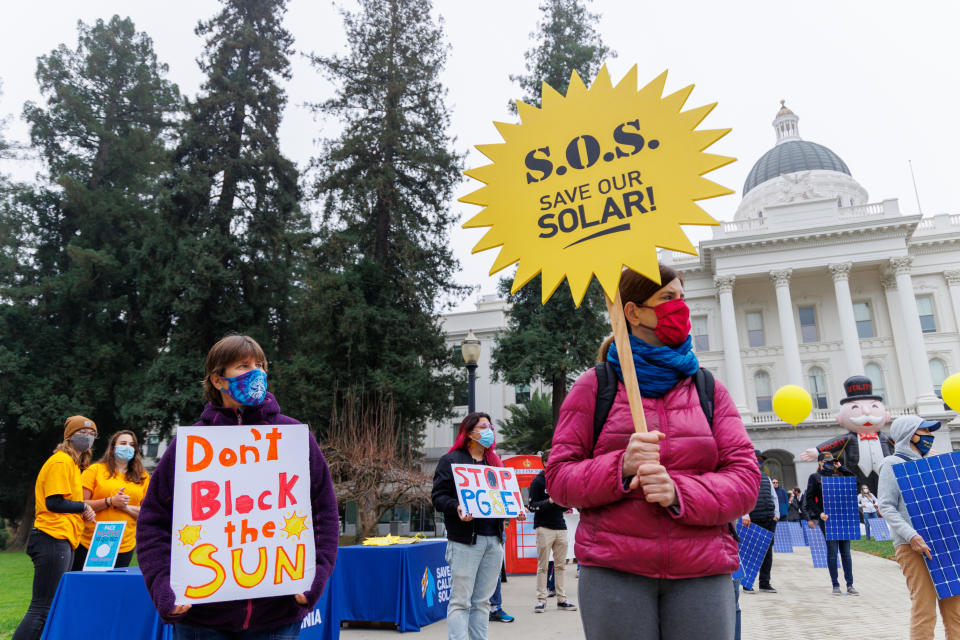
[(235, 387), (654, 541)]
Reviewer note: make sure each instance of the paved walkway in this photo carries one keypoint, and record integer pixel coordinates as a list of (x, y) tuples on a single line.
[(803, 608)]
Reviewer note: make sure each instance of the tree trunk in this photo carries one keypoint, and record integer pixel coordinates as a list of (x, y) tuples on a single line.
[(19, 543), (559, 383)]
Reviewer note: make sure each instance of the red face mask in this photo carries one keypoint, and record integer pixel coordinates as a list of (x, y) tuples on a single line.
[(673, 322)]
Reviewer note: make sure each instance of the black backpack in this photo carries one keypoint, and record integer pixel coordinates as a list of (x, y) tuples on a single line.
[(607, 391)]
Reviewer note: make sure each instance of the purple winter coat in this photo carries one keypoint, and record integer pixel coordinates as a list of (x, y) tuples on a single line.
[(714, 470), (154, 535)]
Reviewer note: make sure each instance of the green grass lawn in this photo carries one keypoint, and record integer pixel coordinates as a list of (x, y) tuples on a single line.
[(882, 548), (15, 587)]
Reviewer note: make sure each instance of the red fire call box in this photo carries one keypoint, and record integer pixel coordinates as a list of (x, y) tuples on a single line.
[(521, 538)]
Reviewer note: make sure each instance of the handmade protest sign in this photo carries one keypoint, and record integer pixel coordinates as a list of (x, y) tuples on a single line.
[(104, 546), (242, 522), (592, 182), (487, 492)]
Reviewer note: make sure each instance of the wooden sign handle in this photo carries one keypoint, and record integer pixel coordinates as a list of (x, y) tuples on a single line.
[(622, 339)]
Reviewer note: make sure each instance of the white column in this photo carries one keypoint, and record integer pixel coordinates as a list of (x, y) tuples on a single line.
[(788, 328), (731, 343), (926, 399), (953, 282), (904, 368), (848, 322)]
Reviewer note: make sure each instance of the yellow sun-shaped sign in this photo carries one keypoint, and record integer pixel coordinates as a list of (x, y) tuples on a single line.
[(294, 525), (189, 534), (594, 181)]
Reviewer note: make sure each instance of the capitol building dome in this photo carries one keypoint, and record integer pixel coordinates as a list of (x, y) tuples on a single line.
[(796, 169)]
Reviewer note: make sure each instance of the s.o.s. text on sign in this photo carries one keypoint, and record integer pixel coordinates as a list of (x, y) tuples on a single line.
[(241, 512), (487, 492)]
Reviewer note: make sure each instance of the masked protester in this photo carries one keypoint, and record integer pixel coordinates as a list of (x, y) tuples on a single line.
[(829, 466), (235, 387), (655, 541), (914, 438), (474, 545), (114, 486), (58, 523)]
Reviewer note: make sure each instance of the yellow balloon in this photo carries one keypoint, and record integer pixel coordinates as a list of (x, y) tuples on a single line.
[(792, 404), (951, 391)]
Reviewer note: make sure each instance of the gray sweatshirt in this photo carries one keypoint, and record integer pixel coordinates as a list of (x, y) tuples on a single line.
[(892, 507)]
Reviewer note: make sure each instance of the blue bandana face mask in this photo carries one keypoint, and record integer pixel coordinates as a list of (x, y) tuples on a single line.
[(250, 388), (123, 452), (925, 444)]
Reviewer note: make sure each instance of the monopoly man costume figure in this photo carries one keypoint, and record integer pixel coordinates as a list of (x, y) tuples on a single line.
[(863, 447)]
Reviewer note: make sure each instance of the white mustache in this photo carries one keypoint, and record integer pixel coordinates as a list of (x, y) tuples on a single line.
[(859, 421)]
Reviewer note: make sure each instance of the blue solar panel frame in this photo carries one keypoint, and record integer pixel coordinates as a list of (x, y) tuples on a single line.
[(782, 539), (840, 505), (754, 542), (931, 491), (818, 547), (879, 529)]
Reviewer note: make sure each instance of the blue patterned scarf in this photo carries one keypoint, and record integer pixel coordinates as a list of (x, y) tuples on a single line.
[(658, 368)]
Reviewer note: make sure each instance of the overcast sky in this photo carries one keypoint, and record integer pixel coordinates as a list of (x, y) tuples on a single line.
[(876, 81)]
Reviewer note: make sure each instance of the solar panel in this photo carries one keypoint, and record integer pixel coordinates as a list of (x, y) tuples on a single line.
[(796, 533), (754, 542), (818, 547), (879, 529), (931, 491), (840, 504), (782, 540)]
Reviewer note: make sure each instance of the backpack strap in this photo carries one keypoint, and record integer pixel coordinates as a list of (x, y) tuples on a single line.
[(606, 393), (706, 386)]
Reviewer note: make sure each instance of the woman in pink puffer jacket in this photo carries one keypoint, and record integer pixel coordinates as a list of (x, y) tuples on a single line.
[(654, 539)]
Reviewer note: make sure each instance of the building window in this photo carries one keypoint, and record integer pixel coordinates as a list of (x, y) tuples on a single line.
[(876, 377), (761, 383), (928, 323), (701, 337), (808, 325), (938, 373), (818, 387), (864, 316), (522, 393), (153, 446), (755, 329)]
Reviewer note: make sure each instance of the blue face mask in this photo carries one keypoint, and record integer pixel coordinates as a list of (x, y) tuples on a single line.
[(123, 452), (925, 444), (828, 467), (250, 388), (486, 438)]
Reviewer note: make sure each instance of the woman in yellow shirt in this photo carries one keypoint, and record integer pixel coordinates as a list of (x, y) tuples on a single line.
[(114, 487), (58, 520)]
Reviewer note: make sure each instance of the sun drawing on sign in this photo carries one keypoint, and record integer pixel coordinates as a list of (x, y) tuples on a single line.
[(189, 534), (294, 525), (594, 181)]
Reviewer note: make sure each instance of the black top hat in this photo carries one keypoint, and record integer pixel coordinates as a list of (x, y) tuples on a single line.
[(859, 388)]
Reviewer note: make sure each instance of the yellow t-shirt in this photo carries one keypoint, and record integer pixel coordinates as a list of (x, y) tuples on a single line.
[(97, 480), (59, 475)]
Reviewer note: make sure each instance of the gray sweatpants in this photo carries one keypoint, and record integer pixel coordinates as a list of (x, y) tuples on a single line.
[(618, 606)]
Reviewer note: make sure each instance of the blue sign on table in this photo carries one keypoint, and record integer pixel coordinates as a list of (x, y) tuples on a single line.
[(782, 540), (840, 505), (754, 542), (879, 529), (931, 490), (104, 546)]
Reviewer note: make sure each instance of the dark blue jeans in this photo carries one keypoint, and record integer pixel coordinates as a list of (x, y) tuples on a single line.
[(52, 558), (844, 548), (867, 517), (186, 632)]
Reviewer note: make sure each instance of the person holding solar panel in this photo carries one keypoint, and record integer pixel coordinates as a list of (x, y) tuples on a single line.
[(829, 466), (914, 437)]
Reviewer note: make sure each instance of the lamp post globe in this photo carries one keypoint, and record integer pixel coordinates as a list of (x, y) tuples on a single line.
[(470, 350)]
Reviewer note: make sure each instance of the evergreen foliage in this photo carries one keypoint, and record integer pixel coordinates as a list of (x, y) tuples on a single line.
[(529, 428), (382, 259), (555, 341), (80, 252)]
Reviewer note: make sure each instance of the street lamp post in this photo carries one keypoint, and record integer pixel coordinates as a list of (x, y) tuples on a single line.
[(470, 349)]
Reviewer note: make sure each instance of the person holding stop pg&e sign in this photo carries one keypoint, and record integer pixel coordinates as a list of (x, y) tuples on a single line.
[(60, 514)]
